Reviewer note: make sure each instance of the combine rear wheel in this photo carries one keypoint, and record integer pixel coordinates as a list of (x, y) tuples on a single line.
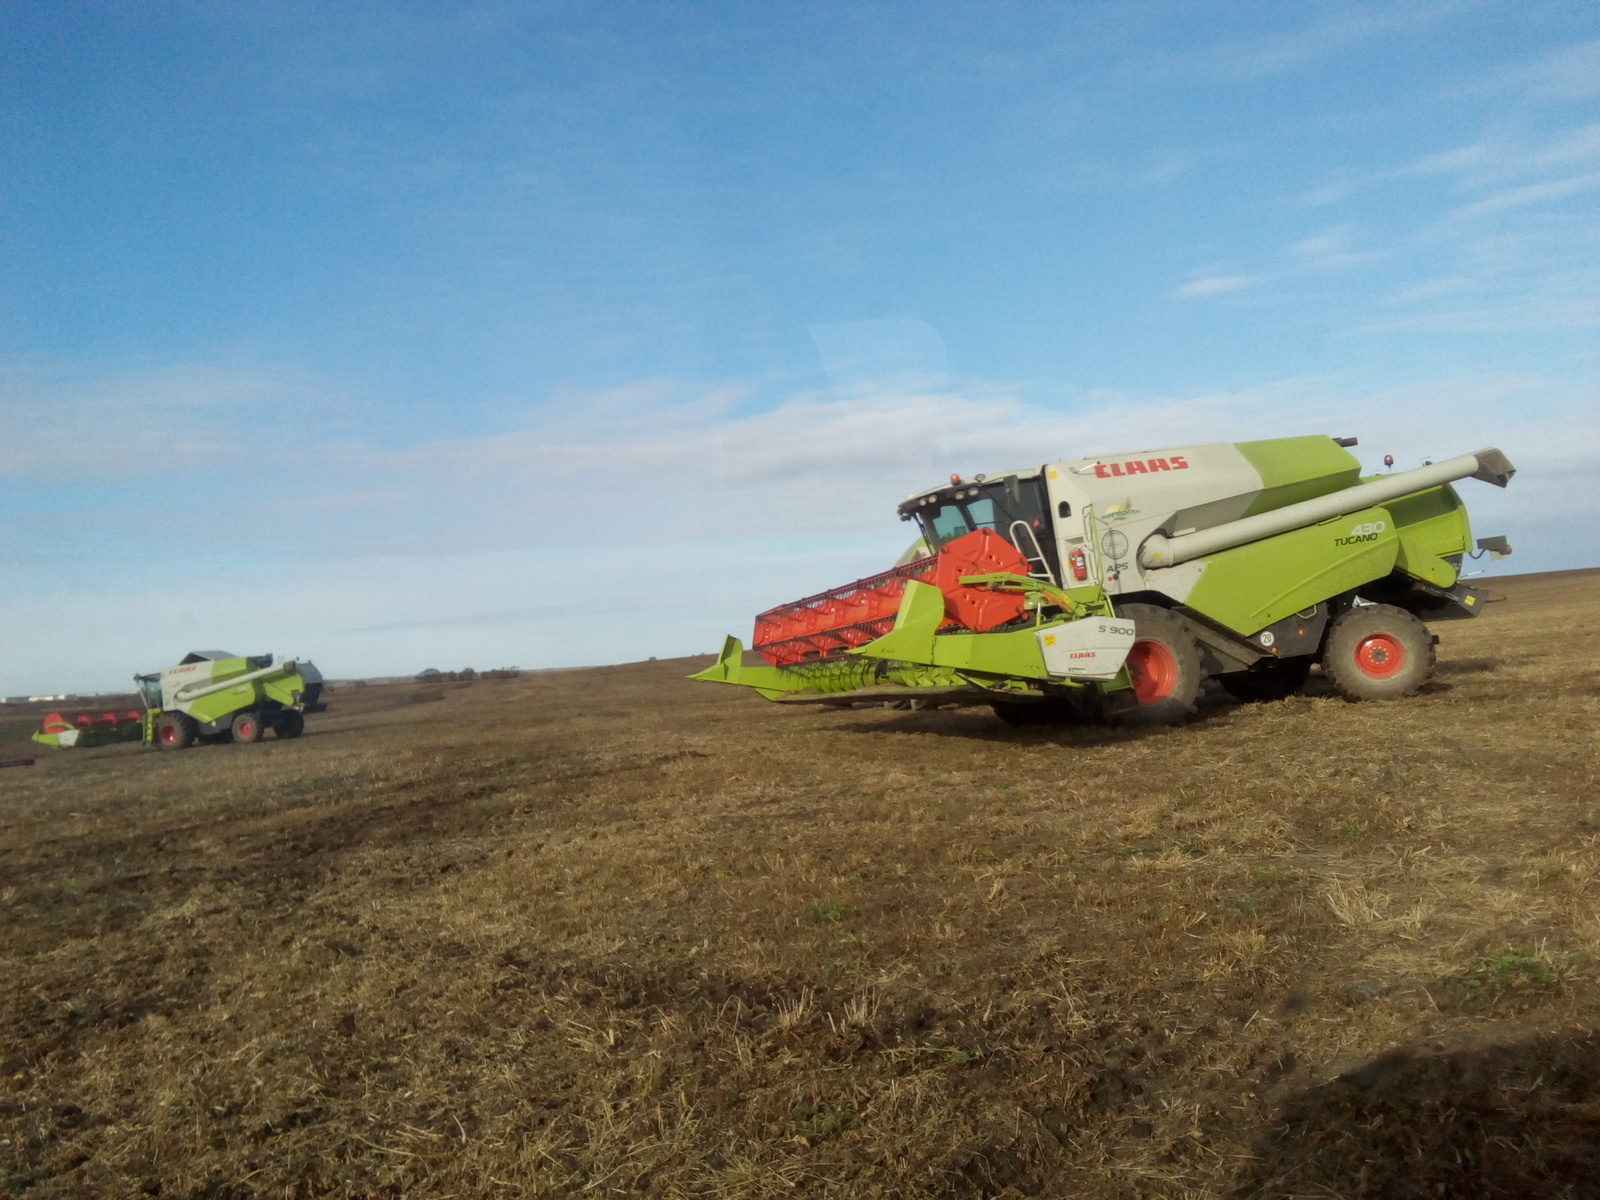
[(1164, 664), (175, 731), (248, 726), (288, 724), (1378, 652)]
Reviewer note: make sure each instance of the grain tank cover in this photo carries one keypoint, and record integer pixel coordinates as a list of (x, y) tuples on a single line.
[(1195, 487), (1183, 489), (1296, 469)]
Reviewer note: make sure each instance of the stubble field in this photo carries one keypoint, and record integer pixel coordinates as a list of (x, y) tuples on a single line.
[(614, 933)]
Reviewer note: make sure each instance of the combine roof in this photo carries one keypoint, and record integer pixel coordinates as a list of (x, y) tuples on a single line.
[(195, 656)]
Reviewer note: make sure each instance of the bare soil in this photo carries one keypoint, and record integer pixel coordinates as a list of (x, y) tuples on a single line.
[(612, 932)]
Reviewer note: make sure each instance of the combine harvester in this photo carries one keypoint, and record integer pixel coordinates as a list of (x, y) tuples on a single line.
[(1114, 587), (210, 696)]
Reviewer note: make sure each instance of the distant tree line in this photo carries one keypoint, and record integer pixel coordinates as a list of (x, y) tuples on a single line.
[(465, 675)]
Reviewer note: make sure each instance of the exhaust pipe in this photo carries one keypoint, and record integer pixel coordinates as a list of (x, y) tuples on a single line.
[(1160, 550)]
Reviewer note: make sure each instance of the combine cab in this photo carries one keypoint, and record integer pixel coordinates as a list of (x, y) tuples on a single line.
[(1115, 586)]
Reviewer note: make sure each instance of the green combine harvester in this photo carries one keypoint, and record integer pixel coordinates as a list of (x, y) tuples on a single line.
[(1114, 587), (211, 696)]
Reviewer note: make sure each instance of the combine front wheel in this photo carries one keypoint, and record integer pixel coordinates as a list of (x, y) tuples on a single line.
[(1164, 664), (288, 724), (1378, 652), (248, 727), (175, 731)]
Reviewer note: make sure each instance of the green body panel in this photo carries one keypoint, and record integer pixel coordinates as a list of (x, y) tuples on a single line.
[(95, 735), (282, 688), (278, 687), (1250, 587), (1432, 526), (917, 549), (916, 638), (824, 679), (773, 682), (219, 704), (914, 654), (1295, 469)]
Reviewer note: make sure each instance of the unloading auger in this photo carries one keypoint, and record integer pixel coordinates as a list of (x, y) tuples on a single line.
[(1115, 586)]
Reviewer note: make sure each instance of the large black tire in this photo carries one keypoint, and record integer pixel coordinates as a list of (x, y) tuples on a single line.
[(1165, 666), (1378, 652), (1269, 679), (175, 731), (288, 724), (248, 726)]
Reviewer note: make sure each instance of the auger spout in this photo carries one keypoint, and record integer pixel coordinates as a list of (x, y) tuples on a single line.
[(1160, 550)]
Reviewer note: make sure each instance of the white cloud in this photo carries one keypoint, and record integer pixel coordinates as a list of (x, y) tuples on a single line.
[(141, 424), (1492, 162), (1571, 73), (1269, 54), (1212, 285), (1332, 249), (1501, 235), (1528, 196), (653, 518), (1497, 161)]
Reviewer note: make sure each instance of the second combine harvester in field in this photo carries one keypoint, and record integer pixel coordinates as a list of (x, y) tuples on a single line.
[(1115, 586)]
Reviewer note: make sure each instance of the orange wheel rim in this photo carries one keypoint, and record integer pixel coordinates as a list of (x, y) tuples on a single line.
[(1381, 656), (169, 734), (1154, 668)]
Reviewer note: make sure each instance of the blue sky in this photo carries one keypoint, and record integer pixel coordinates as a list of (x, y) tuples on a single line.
[(549, 334)]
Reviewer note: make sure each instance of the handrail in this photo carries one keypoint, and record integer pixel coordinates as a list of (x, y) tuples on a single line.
[(1038, 551)]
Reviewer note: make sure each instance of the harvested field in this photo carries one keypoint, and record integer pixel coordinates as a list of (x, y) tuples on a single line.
[(613, 933)]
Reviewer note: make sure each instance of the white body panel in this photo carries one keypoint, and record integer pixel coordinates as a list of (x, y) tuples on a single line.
[(1134, 495), (1092, 648), (184, 679)]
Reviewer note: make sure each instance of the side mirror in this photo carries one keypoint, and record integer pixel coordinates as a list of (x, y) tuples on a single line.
[(1497, 547)]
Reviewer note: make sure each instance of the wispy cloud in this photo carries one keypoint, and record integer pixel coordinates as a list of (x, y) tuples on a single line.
[(132, 424), (1212, 285), (1334, 248), (1500, 232), (1270, 54), (1571, 73), (1493, 162), (1528, 195)]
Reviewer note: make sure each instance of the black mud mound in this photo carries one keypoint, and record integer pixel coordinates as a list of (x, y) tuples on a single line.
[(1515, 1120)]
